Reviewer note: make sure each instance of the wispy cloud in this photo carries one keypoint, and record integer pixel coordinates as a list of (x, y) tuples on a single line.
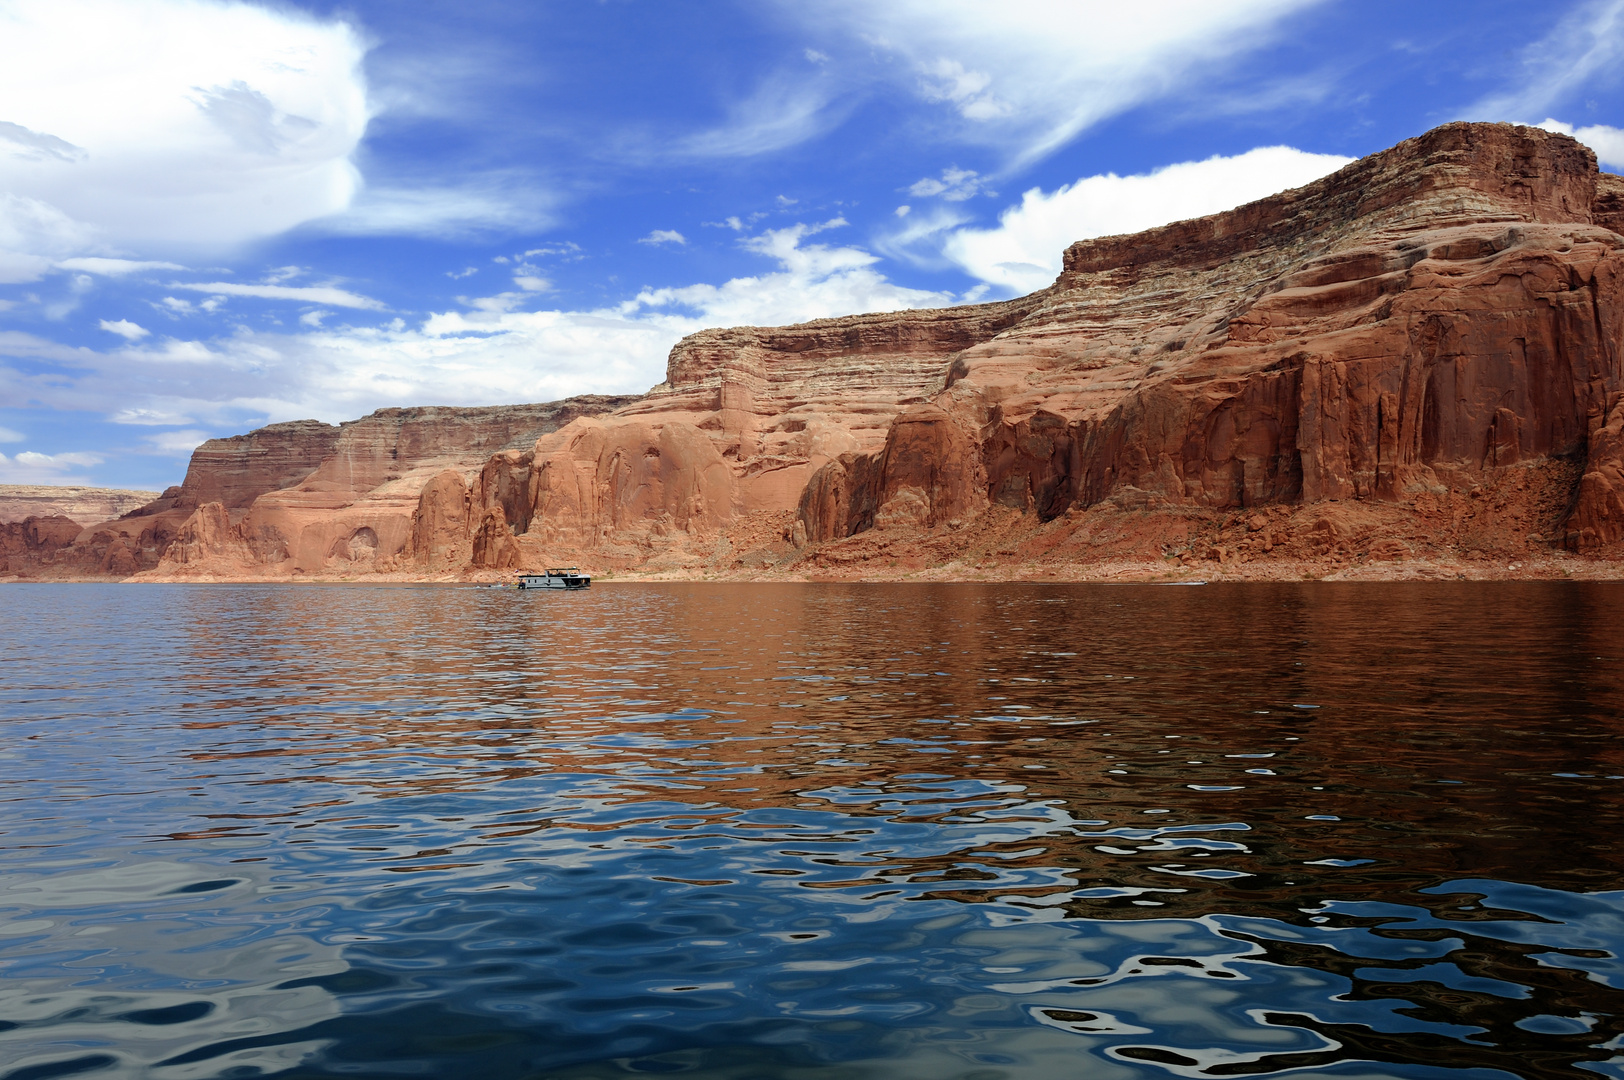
[(664, 236), (1585, 48), (307, 294), (785, 110), (1026, 76), (491, 351), (955, 185), (499, 202), (115, 267)]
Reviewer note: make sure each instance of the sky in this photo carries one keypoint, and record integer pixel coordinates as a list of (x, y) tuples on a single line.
[(217, 215)]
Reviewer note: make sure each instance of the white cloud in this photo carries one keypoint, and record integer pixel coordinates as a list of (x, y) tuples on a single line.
[(955, 185), (814, 282), (784, 111), (1024, 252), (458, 275), (446, 211), (493, 352), (177, 443), (33, 234), (735, 222), (309, 294), (149, 418), (7, 435), (1027, 75), (664, 236), (172, 123), (126, 329), (1585, 46), (919, 237), (29, 467), (1607, 142), (115, 267), (532, 283), (313, 318), (569, 249)]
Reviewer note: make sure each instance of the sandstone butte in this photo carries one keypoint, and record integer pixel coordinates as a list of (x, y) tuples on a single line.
[(1408, 368)]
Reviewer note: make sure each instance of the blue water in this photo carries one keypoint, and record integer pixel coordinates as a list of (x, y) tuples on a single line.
[(812, 832)]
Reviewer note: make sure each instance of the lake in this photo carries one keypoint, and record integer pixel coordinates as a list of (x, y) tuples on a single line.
[(812, 831)]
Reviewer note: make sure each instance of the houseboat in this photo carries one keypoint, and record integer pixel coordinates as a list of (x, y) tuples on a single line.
[(567, 577)]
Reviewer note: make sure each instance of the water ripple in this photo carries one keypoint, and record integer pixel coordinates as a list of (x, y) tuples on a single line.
[(816, 831)]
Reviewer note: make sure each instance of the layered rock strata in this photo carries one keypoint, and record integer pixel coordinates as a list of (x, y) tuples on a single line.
[(86, 505), (1418, 356), (1433, 322), (303, 497)]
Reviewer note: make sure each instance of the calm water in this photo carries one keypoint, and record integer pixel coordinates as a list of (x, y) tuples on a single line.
[(812, 832)]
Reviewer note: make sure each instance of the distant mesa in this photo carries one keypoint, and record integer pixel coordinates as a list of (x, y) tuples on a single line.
[(1410, 366), (86, 505)]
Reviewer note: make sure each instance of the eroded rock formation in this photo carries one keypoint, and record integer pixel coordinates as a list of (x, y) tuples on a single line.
[(1418, 356), (307, 498)]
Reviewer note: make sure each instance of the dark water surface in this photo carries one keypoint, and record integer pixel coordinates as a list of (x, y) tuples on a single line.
[(812, 831)]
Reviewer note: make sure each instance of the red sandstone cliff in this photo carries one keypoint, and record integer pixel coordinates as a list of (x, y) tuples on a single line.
[(299, 498), (1418, 357)]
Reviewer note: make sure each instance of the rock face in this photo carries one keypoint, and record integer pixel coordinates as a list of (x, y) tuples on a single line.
[(307, 497), (1419, 355), (1432, 322), (86, 505)]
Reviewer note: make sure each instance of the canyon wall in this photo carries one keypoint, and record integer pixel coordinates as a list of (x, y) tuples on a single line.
[(300, 498), (85, 505), (1417, 357)]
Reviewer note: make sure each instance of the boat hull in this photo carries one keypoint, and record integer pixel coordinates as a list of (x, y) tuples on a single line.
[(555, 581)]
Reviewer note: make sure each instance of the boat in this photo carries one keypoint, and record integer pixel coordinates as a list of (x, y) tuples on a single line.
[(565, 577)]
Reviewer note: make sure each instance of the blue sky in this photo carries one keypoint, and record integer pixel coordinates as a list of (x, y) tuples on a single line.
[(218, 215)]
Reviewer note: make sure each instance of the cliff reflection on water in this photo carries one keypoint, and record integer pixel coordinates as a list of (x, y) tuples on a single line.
[(813, 831)]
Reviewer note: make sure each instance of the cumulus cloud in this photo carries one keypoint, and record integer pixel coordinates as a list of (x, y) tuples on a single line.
[(171, 123), (1023, 253), (664, 236), (126, 329), (29, 467), (490, 352), (1028, 75), (308, 294), (1607, 142)]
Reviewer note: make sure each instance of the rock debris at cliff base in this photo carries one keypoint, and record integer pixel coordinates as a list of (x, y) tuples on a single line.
[(1410, 367)]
